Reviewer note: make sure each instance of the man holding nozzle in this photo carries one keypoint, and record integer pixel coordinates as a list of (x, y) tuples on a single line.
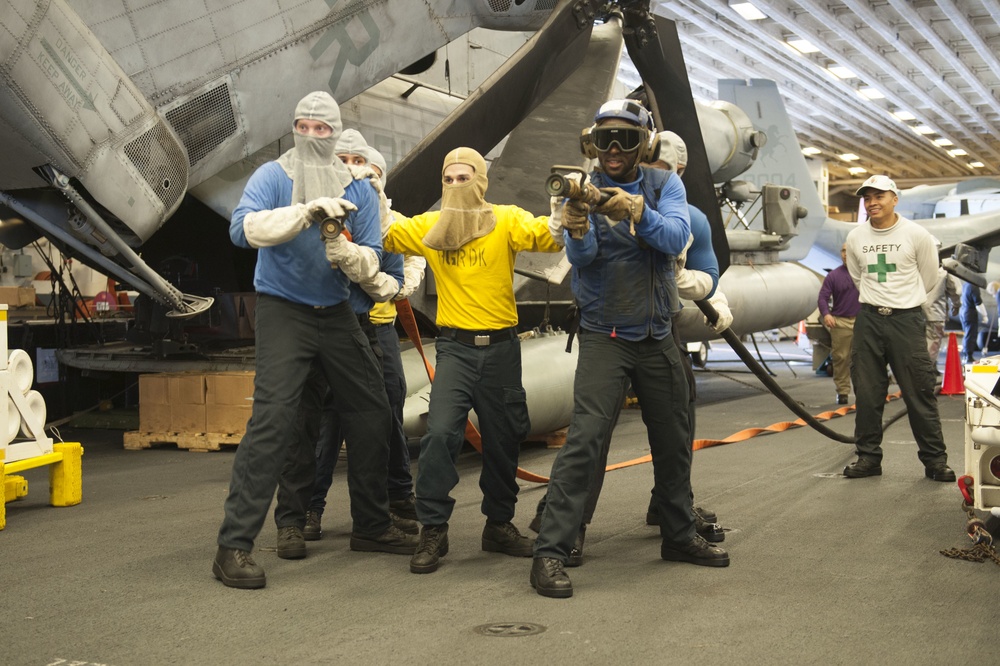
[(623, 252), (303, 314)]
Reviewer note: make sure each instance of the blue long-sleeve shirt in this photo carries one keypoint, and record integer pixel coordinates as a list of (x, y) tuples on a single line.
[(298, 270), (624, 284), (701, 254)]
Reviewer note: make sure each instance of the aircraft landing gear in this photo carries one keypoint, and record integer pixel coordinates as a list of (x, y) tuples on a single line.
[(698, 351)]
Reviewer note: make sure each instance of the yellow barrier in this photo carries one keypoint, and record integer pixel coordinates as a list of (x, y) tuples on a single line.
[(65, 477)]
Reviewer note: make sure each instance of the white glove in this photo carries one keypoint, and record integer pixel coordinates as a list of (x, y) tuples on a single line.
[(693, 285), (265, 228), (556, 204), (984, 318), (362, 172), (360, 264), (329, 207), (682, 257), (413, 274), (721, 305)]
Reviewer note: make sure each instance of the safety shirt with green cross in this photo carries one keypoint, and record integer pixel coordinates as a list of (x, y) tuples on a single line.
[(882, 268)]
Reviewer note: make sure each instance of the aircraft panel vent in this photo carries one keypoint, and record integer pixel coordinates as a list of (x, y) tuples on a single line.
[(160, 161), (204, 122), (545, 5), (500, 5)]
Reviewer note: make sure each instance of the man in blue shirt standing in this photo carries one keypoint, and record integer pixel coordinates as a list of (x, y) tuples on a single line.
[(839, 320), (623, 253), (304, 314)]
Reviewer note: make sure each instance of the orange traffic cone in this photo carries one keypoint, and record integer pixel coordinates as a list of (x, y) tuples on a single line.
[(953, 383)]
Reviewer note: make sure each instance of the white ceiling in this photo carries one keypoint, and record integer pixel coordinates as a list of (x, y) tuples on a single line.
[(937, 60)]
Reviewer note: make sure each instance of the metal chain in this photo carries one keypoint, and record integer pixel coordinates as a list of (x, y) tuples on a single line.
[(982, 541), (977, 553)]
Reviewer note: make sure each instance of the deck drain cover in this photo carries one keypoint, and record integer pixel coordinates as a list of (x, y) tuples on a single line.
[(510, 629), (829, 475)]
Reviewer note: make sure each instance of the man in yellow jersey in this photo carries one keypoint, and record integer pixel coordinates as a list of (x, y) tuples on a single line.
[(470, 245)]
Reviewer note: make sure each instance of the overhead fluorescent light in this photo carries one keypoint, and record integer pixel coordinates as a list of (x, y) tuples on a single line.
[(871, 93), (857, 170), (923, 129), (841, 72), (976, 165), (810, 150), (943, 142), (849, 157), (958, 152), (801, 45), (746, 10), (904, 115)]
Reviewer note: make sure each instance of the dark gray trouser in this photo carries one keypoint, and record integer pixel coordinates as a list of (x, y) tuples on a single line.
[(487, 379), (289, 337), (604, 367), (307, 478), (602, 463), (896, 340)]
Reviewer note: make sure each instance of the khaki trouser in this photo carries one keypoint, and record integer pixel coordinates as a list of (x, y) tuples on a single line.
[(840, 344)]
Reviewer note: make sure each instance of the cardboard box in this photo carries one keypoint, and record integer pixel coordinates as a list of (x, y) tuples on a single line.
[(17, 297), (153, 389), (187, 418), (154, 418), (227, 419), (186, 388), (229, 388)]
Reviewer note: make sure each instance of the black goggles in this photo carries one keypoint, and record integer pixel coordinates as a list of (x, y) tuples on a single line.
[(627, 138)]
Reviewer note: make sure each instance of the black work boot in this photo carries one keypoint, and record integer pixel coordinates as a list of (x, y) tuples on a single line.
[(708, 531), (549, 578), (235, 568), (863, 467), (393, 540), (504, 538), (939, 472), (313, 530), (404, 525), (291, 543), (576, 554), (696, 551), (405, 508), (707, 515), (432, 547)]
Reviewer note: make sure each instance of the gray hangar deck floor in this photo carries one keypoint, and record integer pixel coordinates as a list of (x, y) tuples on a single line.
[(824, 569)]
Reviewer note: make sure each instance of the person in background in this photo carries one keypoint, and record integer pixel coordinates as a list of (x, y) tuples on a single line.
[(894, 264), (838, 307), (942, 300), (971, 312)]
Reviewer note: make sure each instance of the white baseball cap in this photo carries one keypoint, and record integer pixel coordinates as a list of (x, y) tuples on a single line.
[(883, 183)]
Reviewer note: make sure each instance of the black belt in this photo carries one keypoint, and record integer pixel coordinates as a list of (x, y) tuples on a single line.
[(888, 312), (363, 319), (478, 338)]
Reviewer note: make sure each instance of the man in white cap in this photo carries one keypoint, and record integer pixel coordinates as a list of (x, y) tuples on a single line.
[(894, 263), (303, 314), (470, 245)]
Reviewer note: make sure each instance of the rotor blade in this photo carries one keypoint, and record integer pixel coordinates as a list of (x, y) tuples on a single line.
[(495, 108), (660, 63)]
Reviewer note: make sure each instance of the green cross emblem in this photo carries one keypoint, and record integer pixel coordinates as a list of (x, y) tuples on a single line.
[(882, 268)]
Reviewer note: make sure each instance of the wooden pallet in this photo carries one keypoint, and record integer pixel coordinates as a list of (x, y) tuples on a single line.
[(192, 441)]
